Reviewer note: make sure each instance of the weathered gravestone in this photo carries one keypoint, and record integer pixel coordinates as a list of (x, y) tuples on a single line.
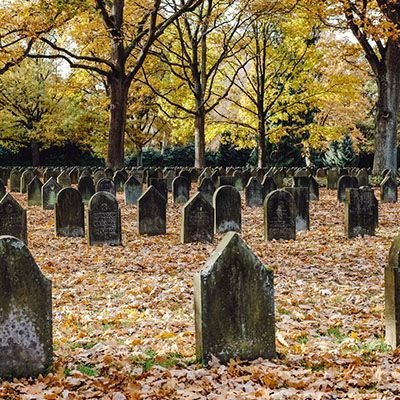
[(3, 190), (239, 184), (26, 177), (280, 216), (197, 220), (161, 185), (49, 173), (26, 344), (254, 193), (34, 191), (302, 200), (132, 190), (15, 180), (215, 178), (151, 214), (313, 189), (49, 194), (392, 296), (180, 190), (108, 173), (227, 210), (106, 185), (332, 176), (345, 182), (388, 190), (268, 185), (234, 305), (363, 178), (86, 188), (64, 179), (360, 212), (169, 177), (74, 175), (69, 213), (207, 189), (119, 179), (103, 220), (99, 174), (13, 218)]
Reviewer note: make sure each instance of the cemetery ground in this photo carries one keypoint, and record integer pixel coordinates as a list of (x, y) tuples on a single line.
[(123, 317)]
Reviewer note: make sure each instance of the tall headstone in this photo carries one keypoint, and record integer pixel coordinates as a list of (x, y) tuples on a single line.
[(234, 305), (207, 189), (197, 220), (280, 216), (26, 343), (313, 189), (388, 190), (169, 177), (152, 212), (132, 190), (227, 210), (119, 179), (360, 212), (26, 178), (15, 180), (180, 190), (103, 220), (13, 218), (69, 213), (254, 193), (268, 185), (86, 188), (302, 199), (34, 191), (49, 193), (345, 182)]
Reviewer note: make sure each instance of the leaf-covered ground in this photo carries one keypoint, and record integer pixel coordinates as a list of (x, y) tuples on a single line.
[(124, 327)]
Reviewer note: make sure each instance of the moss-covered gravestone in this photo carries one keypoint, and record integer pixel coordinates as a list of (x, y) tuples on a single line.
[(13, 218), (180, 190), (152, 212), (49, 193), (86, 188), (234, 305), (69, 213), (132, 190), (197, 220), (345, 182), (106, 185), (388, 190), (207, 189), (227, 210), (104, 220), (280, 216), (360, 212), (25, 313), (392, 295), (34, 191), (254, 193)]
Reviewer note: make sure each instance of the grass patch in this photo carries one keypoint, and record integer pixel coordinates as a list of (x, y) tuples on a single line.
[(334, 331), (170, 360), (87, 369)]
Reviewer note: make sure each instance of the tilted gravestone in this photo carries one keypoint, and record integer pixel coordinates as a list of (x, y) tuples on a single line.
[(15, 180), (280, 216), (388, 190), (103, 220), (207, 189), (34, 191), (152, 212), (86, 188), (360, 212), (345, 182), (26, 344), (180, 190), (197, 220), (26, 177), (69, 213), (302, 200), (234, 305), (106, 185), (254, 193), (49, 193), (132, 190), (227, 210), (392, 296), (64, 179), (13, 218)]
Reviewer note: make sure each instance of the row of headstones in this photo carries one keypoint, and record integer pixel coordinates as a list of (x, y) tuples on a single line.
[(233, 302)]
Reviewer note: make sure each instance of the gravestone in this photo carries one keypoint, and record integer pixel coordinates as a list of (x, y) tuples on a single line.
[(268, 185), (151, 214), (15, 180), (49, 193), (392, 296), (103, 220), (34, 191), (239, 184), (215, 177), (99, 174), (345, 182), (227, 210), (301, 179), (119, 179), (254, 193), (64, 180), (197, 220), (234, 305), (226, 180), (26, 344), (13, 218), (388, 190), (320, 173), (169, 177), (106, 185), (86, 188), (363, 178), (108, 173), (203, 175), (69, 213), (132, 190), (280, 216), (26, 178), (302, 200), (180, 190), (207, 189), (74, 175), (332, 176), (160, 185), (360, 212), (3, 189), (313, 189)]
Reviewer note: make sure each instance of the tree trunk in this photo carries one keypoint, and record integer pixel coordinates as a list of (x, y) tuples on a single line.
[(119, 93), (200, 140), (35, 153), (387, 108), (262, 150)]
